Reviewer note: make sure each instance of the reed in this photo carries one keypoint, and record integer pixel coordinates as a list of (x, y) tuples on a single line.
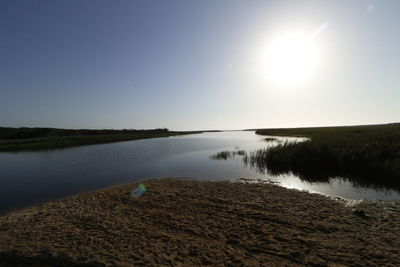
[(363, 154)]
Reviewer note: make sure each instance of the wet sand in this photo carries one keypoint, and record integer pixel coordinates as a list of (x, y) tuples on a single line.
[(192, 223)]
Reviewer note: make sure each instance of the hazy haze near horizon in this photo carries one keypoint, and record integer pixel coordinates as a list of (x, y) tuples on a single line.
[(194, 64)]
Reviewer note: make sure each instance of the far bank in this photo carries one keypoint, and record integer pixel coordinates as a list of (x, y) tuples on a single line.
[(34, 139)]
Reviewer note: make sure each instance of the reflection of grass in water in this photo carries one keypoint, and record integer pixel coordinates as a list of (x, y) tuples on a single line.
[(367, 155), (228, 154)]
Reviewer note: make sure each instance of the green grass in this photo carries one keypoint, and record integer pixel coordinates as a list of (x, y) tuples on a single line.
[(364, 154), (31, 139)]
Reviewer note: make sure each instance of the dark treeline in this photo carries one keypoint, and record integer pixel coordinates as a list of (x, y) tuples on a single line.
[(364, 154), (25, 132)]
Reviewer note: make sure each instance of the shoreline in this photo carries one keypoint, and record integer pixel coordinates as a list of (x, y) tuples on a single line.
[(180, 222), (53, 139)]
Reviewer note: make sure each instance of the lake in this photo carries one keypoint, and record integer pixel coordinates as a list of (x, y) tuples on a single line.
[(28, 178)]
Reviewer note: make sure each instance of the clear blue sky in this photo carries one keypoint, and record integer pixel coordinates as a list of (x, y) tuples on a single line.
[(193, 64)]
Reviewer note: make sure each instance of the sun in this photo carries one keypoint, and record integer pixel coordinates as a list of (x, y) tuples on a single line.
[(290, 58)]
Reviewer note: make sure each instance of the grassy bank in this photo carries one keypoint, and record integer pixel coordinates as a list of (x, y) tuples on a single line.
[(363, 153), (198, 223), (29, 139)]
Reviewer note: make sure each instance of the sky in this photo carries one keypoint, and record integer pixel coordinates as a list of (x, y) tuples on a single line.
[(192, 65)]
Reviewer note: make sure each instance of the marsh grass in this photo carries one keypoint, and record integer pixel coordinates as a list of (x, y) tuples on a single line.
[(363, 154), (240, 152), (270, 139), (30, 139), (224, 155)]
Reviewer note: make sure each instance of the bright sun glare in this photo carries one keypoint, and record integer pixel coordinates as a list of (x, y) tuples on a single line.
[(291, 58)]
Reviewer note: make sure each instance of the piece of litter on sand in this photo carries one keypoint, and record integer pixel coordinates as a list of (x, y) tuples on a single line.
[(139, 190)]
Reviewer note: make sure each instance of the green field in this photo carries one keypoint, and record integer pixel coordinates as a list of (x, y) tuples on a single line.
[(30, 139), (365, 154)]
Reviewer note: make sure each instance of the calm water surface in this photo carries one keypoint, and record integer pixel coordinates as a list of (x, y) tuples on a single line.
[(28, 178)]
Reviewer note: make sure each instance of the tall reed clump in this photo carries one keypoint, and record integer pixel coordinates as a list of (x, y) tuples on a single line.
[(228, 154), (362, 153)]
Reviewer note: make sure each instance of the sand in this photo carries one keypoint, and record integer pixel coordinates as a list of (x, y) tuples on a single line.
[(197, 223)]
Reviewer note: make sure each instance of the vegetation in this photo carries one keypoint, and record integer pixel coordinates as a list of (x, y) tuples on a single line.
[(228, 154), (241, 152), (364, 154), (28, 139), (270, 139), (222, 155)]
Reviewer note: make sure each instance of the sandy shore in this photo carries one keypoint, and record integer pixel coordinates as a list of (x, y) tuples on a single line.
[(191, 223)]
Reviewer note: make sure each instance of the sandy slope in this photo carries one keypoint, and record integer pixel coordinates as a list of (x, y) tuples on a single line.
[(190, 223)]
